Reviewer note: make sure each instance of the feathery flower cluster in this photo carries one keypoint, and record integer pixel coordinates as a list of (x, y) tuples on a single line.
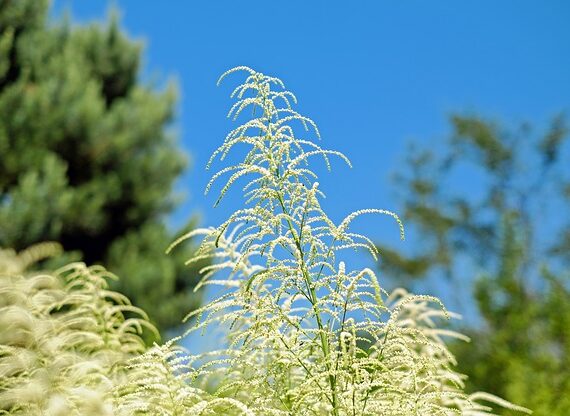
[(307, 335), (64, 337)]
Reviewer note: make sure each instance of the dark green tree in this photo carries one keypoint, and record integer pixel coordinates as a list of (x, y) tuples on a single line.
[(490, 211), (86, 157)]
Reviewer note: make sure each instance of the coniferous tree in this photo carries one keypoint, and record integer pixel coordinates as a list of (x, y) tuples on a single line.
[(86, 158), (509, 238)]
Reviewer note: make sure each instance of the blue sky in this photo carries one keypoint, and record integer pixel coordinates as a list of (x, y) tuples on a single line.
[(374, 75)]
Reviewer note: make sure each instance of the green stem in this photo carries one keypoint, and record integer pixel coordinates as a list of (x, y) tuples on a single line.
[(313, 300), (310, 288)]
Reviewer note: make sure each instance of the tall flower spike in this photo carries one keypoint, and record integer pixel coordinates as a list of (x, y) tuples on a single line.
[(308, 335)]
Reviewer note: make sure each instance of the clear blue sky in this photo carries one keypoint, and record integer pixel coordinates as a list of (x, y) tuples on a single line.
[(372, 74)]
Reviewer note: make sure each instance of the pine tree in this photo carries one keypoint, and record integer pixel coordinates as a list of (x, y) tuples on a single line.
[(510, 240), (86, 158)]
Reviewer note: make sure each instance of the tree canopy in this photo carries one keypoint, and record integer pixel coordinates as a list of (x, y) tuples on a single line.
[(505, 234), (86, 154)]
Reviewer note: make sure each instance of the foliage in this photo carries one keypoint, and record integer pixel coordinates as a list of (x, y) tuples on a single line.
[(508, 238), (85, 154)]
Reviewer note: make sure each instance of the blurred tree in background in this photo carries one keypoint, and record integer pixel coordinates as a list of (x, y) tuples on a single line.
[(508, 237), (85, 156)]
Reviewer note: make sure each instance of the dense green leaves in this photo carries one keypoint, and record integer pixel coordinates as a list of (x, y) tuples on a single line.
[(86, 157)]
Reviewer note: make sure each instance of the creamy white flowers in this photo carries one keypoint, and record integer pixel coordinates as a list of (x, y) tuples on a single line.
[(308, 335)]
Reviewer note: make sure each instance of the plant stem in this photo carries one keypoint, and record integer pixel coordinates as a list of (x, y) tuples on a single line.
[(314, 302), (311, 290)]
